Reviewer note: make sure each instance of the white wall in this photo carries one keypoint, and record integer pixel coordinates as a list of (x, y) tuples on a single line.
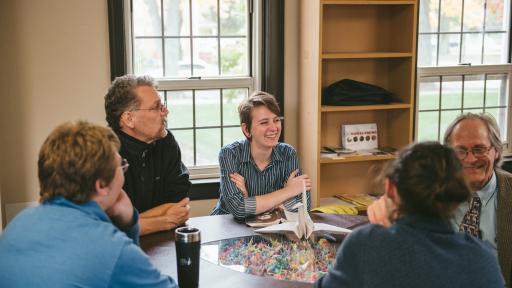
[(56, 61)]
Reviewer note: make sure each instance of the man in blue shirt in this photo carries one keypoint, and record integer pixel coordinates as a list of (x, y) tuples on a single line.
[(85, 231)]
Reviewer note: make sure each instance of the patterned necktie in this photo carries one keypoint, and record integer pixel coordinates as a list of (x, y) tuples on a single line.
[(471, 221)]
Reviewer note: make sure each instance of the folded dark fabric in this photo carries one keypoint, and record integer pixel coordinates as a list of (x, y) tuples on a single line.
[(348, 92)]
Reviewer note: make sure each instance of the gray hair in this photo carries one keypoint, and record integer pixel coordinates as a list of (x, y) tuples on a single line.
[(492, 130), (121, 96)]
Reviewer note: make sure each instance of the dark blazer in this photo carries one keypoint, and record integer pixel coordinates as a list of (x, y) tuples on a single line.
[(504, 223)]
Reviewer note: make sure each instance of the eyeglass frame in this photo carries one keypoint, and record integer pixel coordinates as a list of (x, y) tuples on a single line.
[(482, 154), (161, 108), (124, 165)]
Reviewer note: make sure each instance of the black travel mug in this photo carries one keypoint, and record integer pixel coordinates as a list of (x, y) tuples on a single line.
[(188, 244)]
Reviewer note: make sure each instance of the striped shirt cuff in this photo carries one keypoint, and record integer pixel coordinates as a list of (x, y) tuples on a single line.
[(250, 206)]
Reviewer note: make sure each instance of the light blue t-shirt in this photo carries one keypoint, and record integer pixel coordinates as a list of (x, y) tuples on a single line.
[(64, 244), (488, 196)]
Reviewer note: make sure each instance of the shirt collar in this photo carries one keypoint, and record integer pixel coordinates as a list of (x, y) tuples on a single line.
[(247, 157), (487, 192), (90, 208), (426, 223), (132, 144)]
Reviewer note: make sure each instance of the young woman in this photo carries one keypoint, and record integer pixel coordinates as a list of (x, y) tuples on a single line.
[(259, 173), (421, 248)]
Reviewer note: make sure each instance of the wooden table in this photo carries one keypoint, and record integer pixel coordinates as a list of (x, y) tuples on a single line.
[(161, 250)]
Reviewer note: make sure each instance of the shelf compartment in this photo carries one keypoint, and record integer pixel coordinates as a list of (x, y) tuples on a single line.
[(355, 55), (345, 178), (390, 106), (356, 158), (394, 126), (393, 74), (368, 28)]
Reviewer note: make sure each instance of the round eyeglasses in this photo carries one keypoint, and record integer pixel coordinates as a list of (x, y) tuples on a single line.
[(478, 152)]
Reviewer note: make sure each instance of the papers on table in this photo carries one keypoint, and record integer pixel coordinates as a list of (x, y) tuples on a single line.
[(301, 224)]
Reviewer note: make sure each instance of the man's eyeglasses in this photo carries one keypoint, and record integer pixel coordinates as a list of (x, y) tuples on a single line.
[(161, 107), (124, 165), (478, 152)]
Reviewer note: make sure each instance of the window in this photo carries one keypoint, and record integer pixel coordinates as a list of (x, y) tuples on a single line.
[(463, 63), (202, 54)]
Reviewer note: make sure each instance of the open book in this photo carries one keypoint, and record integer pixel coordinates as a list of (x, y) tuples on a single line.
[(301, 224), (271, 217)]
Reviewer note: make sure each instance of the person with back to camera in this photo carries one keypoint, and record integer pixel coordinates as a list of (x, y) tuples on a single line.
[(259, 173), (487, 215), (420, 249)]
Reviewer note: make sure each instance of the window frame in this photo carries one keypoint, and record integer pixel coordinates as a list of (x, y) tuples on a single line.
[(252, 82), (467, 69)]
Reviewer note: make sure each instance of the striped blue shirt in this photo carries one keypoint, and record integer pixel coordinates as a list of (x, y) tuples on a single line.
[(236, 157)]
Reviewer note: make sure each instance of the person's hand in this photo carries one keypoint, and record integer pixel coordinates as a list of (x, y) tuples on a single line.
[(296, 183), (179, 213), (121, 213), (239, 181), (383, 211)]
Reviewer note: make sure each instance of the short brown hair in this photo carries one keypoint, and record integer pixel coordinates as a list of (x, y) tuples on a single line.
[(492, 130), (429, 179), (73, 157), (257, 99), (121, 97)]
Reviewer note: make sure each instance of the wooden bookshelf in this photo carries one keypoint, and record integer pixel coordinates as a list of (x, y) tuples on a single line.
[(368, 41)]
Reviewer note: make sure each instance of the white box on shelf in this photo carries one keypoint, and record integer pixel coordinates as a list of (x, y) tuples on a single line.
[(359, 136)]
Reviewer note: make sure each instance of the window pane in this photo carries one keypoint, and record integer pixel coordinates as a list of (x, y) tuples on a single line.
[(495, 20), (429, 16), (427, 50), (230, 100), (500, 115), (429, 93), (185, 139), (176, 17), (451, 11), (205, 57), (177, 57), (232, 134), (204, 17), (474, 91), (449, 47), (495, 90), (233, 17), (208, 146), (473, 110), (180, 107), (208, 108), (446, 118), (451, 94), (428, 124), (473, 15), (147, 57), (472, 48), (234, 56), (495, 48), (147, 18)]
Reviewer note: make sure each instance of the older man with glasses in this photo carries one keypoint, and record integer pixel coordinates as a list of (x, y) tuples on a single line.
[(488, 215), (157, 181)]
